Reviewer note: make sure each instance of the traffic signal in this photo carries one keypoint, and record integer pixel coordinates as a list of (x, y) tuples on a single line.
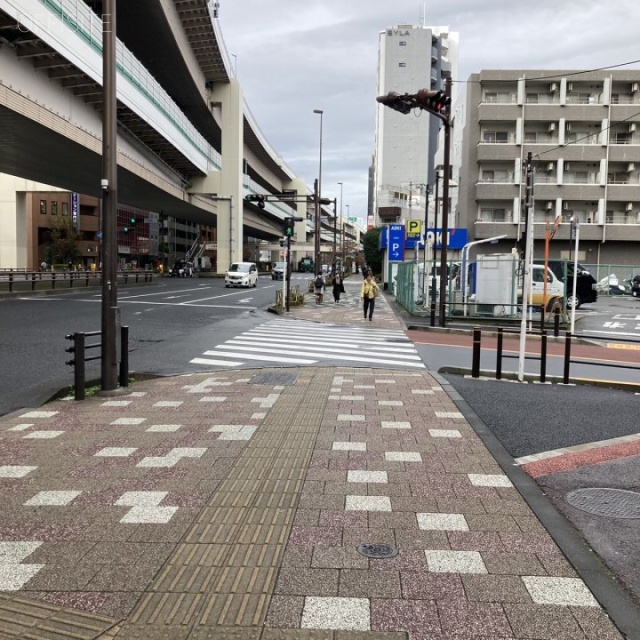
[(258, 198), (437, 102), (402, 103), (125, 229), (288, 227), (132, 221)]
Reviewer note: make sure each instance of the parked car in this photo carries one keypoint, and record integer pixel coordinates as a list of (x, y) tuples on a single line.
[(635, 286), (305, 265), (182, 269), (241, 274), (277, 271)]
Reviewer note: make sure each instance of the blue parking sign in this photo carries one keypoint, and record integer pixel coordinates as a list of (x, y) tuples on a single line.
[(396, 242)]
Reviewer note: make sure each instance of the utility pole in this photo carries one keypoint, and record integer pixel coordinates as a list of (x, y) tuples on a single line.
[(444, 273), (528, 253), (110, 311)]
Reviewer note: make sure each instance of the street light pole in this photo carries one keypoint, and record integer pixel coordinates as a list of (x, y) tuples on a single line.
[(108, 353), (318, 196), (445, 208), (341, 228)]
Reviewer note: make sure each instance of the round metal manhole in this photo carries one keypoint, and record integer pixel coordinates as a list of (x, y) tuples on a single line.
[(378, 551), (612, 503)]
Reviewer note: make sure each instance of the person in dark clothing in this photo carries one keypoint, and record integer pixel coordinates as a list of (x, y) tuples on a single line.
[(338, 287)]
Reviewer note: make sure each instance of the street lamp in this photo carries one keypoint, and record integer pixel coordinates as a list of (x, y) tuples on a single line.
[(318, 196), (335, 221)]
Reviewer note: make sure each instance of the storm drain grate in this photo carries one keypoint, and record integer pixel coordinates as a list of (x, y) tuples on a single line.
[(603, 501), (378, 551), (274, 378)]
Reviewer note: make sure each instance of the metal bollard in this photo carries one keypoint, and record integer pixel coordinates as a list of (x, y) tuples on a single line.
[(124, 357), (543, 357), (567, 357), (475, 363), (556, 322), (499, 354), (78, 369), (432, 321)]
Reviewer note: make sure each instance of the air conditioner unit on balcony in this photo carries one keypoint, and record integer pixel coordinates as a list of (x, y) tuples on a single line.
[(635, 86), (631, 167), (629, 206), (550, 166), (552, 126), (633, 127), (550, 205), (553, 87)]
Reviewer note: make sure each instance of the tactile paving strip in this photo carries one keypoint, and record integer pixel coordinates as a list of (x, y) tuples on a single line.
[(220, 578)]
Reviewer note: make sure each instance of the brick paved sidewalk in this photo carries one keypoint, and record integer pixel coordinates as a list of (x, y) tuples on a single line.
[(231, 505)]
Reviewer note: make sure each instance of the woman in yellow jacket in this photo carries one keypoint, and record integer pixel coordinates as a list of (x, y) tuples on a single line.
[(368, 294)]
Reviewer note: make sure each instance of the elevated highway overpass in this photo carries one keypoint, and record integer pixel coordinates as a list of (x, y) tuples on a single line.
[(187, 143)]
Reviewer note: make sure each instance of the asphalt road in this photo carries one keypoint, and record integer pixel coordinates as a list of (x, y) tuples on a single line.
[(167, 321), (531, 418)]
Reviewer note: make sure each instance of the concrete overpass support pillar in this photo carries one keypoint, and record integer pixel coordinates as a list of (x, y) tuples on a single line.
[(228, 98), (300, 229)]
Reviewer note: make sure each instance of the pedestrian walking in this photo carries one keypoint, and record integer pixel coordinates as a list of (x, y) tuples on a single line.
[(319, 288), (338, 287), (368, 294)]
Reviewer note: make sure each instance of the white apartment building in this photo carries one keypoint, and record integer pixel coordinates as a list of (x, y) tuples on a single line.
[(583, 130), (410, 58)]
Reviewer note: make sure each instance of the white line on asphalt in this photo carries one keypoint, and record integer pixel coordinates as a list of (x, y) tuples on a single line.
[(249, 356), (223, 363), (355, 358)]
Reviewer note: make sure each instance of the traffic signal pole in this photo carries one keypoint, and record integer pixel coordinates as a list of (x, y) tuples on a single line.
[(110, 312), (444, 273)]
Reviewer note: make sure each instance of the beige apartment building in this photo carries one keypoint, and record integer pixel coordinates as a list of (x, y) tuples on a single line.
[(583, 130)]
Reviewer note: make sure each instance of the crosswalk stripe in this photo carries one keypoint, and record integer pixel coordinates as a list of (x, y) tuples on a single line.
[(382, 345), (332, 356), (325, 349), (251, 356)]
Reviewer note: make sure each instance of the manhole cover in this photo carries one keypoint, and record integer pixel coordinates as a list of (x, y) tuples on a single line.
[(613, 503), (274, 378), (378, 551)]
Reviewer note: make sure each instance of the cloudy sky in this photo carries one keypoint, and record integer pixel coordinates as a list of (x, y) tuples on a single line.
[(293, 57)]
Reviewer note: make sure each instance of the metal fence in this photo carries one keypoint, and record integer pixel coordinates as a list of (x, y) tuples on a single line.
[(26, 281)]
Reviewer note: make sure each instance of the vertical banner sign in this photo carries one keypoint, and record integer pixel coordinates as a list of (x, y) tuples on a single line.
[(395, 248), (75, 218)]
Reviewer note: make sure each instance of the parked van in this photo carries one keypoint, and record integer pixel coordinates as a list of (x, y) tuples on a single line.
[(555, 288), (241, 274), (586, 284)]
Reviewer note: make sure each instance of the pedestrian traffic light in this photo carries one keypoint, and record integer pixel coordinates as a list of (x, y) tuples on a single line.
[(437, 102), (288, 227), (125, 229), (132, 221), (258, 198)]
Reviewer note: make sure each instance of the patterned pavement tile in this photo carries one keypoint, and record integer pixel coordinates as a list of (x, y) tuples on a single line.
[(336, 613), (52, 498), (559, 591), (455, 562), (367, 503), (442, 521)]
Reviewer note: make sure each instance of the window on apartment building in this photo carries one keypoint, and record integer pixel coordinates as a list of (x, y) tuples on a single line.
[(617, 178), (54, 207), (43, 206), (494, 175), (492, 215), (532, 98), (402, 64), (402, 43), (65, 208), (495, 137)]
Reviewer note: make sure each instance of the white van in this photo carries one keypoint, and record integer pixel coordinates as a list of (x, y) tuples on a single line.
[(241, 274), (555, 288)]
